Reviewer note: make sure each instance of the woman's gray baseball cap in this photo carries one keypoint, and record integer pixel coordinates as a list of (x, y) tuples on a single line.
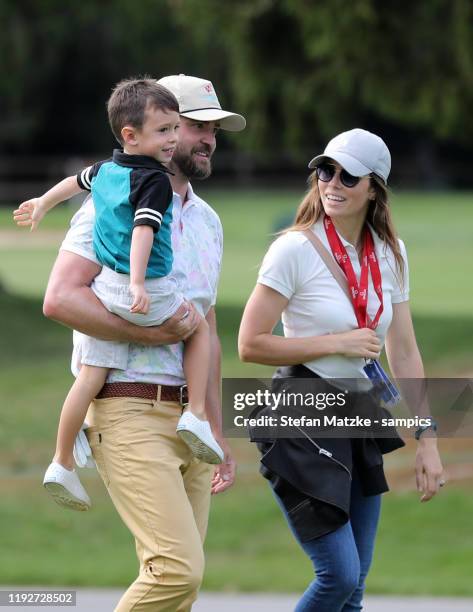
[(198, 100), (359, 152)]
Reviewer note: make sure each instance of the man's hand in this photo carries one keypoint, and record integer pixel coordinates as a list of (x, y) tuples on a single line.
[(30, 213), (224, 475), (429, 470), (176, 329)]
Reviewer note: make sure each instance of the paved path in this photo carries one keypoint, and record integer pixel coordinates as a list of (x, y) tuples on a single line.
[(104, 600)]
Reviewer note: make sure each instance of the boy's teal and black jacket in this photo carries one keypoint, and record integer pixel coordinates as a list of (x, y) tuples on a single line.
[(130, 190)]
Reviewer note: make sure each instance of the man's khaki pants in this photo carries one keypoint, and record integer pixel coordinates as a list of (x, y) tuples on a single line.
[(161, 493)]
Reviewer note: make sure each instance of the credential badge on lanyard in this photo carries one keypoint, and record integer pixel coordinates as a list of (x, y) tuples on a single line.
[(384, 388)]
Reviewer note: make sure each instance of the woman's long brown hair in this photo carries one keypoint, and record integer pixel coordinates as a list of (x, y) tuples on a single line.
[(379, 216)]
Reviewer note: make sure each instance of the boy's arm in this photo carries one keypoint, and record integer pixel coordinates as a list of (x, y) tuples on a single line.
[(32, 211), (151, 196), (141, 243)]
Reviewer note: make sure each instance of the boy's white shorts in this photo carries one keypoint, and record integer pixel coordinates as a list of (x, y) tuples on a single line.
[(113, 291)]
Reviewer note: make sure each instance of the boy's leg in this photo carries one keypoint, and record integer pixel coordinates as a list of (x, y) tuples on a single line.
[(84, 390), (196, 368), (61, 481), (193, 426)]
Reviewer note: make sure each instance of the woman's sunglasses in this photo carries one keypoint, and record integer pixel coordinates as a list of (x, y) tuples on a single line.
[(326, 172)]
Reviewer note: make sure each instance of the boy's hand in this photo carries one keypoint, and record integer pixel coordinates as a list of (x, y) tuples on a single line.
[(30, 213), (140, 299)]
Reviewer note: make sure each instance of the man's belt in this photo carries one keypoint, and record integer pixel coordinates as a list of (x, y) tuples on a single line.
[(163, 393)]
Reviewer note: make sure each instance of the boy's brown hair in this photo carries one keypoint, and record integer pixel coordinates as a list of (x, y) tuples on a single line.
[(130, 100)]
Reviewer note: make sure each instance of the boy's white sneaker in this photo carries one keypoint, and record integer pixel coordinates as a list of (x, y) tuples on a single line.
[(65, 487), (199, 438)]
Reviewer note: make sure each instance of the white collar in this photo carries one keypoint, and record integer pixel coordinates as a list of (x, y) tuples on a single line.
[(190, 196)]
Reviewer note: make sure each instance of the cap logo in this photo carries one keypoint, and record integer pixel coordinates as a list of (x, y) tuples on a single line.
[(208, 94)]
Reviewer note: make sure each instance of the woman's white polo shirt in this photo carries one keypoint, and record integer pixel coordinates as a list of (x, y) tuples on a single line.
[(317, 305)]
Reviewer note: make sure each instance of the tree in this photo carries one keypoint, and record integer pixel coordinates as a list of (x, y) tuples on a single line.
[(301, 68), (60, 60)]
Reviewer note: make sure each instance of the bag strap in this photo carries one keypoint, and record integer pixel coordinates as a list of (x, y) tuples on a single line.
[(329, 261)]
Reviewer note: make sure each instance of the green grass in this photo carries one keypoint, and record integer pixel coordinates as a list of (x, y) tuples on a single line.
[(421, 548), (26, 272)]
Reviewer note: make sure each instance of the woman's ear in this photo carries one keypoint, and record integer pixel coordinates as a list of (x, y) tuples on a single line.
[(128, 135)]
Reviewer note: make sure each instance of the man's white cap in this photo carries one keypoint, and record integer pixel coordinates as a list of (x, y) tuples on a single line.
[(359, 152), (198, 100)]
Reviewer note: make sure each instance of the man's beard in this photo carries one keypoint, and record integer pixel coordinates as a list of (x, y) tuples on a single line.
[(190, 168)]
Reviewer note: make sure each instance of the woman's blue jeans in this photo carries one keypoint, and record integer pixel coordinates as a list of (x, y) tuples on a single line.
[(342, 558)]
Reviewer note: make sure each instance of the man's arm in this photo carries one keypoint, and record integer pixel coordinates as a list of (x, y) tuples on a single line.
[(225, 472), (70, 301)]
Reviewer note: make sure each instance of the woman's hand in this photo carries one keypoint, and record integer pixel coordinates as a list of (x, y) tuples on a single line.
[(358, 343), (429, 469)]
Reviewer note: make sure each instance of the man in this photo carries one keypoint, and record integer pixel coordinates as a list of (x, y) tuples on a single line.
[(161, 493)]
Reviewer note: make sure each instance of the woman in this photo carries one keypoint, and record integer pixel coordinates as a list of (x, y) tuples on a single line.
[(330, 489)]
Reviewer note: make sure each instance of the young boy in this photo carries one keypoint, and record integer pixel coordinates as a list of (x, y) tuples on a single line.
[(132, 196)]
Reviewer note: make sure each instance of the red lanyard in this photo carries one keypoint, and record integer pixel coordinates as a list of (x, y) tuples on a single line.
[(358, 292)]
